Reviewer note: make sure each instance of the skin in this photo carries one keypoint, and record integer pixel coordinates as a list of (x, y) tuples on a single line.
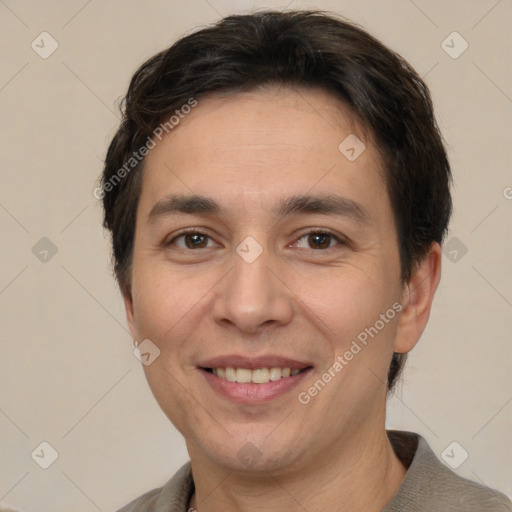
[(247, 151)]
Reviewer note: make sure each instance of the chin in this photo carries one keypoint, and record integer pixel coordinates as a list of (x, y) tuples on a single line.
[(251, 454)]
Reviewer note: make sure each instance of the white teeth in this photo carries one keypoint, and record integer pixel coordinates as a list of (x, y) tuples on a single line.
[(261, 375), (275, 374), (243, 375), (230, 374), (258, 376)]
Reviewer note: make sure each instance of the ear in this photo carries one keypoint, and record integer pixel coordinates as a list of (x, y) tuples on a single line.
[(417, 297), (130, 317)]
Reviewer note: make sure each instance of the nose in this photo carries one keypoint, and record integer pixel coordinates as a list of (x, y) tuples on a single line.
[(253, 295)]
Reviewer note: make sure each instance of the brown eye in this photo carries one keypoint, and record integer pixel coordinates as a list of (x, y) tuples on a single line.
[(192, 240), (319, 240)]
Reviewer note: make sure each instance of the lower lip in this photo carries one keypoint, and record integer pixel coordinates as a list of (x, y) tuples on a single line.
[(250, 393)]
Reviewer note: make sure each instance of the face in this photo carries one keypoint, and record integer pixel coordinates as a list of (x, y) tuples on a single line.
[(285, 263)]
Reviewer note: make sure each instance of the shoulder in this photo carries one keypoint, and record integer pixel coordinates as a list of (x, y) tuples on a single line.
[(174, 496), (144, 503), (448, 488), (429, 485)]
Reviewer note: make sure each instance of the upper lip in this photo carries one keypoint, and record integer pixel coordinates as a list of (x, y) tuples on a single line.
[(253, 363)]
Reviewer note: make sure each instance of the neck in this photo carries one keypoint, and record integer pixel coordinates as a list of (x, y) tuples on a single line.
[(362, 475)]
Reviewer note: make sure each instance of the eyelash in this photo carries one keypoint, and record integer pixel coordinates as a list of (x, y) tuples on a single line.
[(312, 231)]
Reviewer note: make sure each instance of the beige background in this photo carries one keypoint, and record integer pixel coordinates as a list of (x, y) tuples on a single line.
[(68, 373)]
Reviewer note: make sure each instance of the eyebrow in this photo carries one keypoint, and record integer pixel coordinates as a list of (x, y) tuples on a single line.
[(329, 204)]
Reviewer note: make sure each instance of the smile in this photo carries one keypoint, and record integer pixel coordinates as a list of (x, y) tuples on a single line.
[(253, 386), (257, 376)]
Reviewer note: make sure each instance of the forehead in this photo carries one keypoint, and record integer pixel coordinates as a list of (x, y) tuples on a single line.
[(263, 143), (276, 116)]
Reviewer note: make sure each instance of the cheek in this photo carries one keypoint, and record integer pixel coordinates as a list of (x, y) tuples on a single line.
[(169, 307), (164, 308), (160, 300), (348, 306), (344, 299)]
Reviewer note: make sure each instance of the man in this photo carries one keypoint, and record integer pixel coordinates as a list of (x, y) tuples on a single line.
[(277, 195)]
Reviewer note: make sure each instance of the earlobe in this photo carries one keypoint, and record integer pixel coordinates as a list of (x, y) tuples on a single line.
[(417, 299)]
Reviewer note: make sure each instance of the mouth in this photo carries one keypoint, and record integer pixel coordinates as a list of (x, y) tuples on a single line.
[(253, 381)]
